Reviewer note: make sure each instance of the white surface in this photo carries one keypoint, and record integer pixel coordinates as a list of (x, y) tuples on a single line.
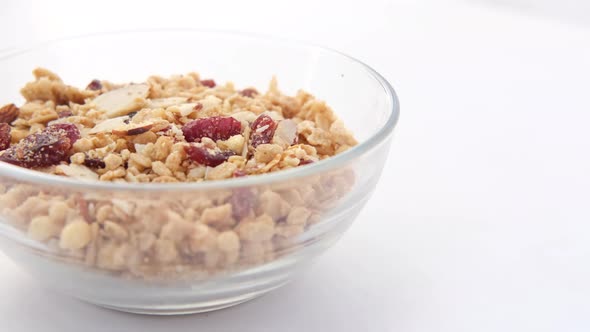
[(481, 221)]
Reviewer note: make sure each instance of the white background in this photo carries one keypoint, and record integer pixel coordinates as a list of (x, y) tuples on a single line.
[(482, 219)]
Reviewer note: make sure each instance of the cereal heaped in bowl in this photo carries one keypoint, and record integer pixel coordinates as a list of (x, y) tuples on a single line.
[(183, 194), (181, 129)]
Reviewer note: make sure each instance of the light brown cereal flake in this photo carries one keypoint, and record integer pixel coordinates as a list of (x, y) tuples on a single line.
[(218, 215), (264, 153), (261, 229), (160, 168), (222, 171), (115, 231), (112, 161)]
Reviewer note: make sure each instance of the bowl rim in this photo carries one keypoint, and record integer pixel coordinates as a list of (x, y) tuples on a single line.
[(35, 177)]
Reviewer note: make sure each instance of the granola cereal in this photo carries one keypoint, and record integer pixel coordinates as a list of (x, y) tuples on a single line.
[(177, 129)]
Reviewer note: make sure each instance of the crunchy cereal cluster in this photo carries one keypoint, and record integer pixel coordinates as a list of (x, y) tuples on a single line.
[(181, 129)]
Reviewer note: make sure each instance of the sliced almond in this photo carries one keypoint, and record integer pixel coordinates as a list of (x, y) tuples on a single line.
[(122, 101), (185, 109), (285, 134), (246, 135), (8, 113), (133, 129), (77, 171), (274, 115), (109, 124), (165, 102)]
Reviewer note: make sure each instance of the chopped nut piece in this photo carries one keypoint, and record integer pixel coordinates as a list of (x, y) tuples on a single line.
[(75, 235), (42, 228), (8, 113), (112, 161), (262, 229), (298, 216), (217, 215), (160, 168), (166, 251), (228, 241)]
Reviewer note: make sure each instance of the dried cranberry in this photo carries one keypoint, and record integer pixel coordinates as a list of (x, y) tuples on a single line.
[(263, 129), (250, 92), (94, 163), (216, 128), (45, 148), (206, 157), (238, 173), (4, 136), (243, 201), (94, 85), (305, 162), (68, 129), (64, 114), (208, 83)]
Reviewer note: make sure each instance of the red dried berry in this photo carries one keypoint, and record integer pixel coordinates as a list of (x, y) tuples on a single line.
[(216, 128), (64, 114), (263, 129), (243, 201), (208, 83), (238, 173), (68, 129), (94, 163), (250, 92), (95, 85), (206, 157), (4, 136), (305, 162), (45, 148)]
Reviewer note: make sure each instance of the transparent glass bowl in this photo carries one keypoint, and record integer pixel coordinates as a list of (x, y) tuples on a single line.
[(333, 191)]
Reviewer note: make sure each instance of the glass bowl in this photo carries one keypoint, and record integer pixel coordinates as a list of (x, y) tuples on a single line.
[(120, 272)]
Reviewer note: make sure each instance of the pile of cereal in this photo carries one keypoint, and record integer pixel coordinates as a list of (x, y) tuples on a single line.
[(181, 129)]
